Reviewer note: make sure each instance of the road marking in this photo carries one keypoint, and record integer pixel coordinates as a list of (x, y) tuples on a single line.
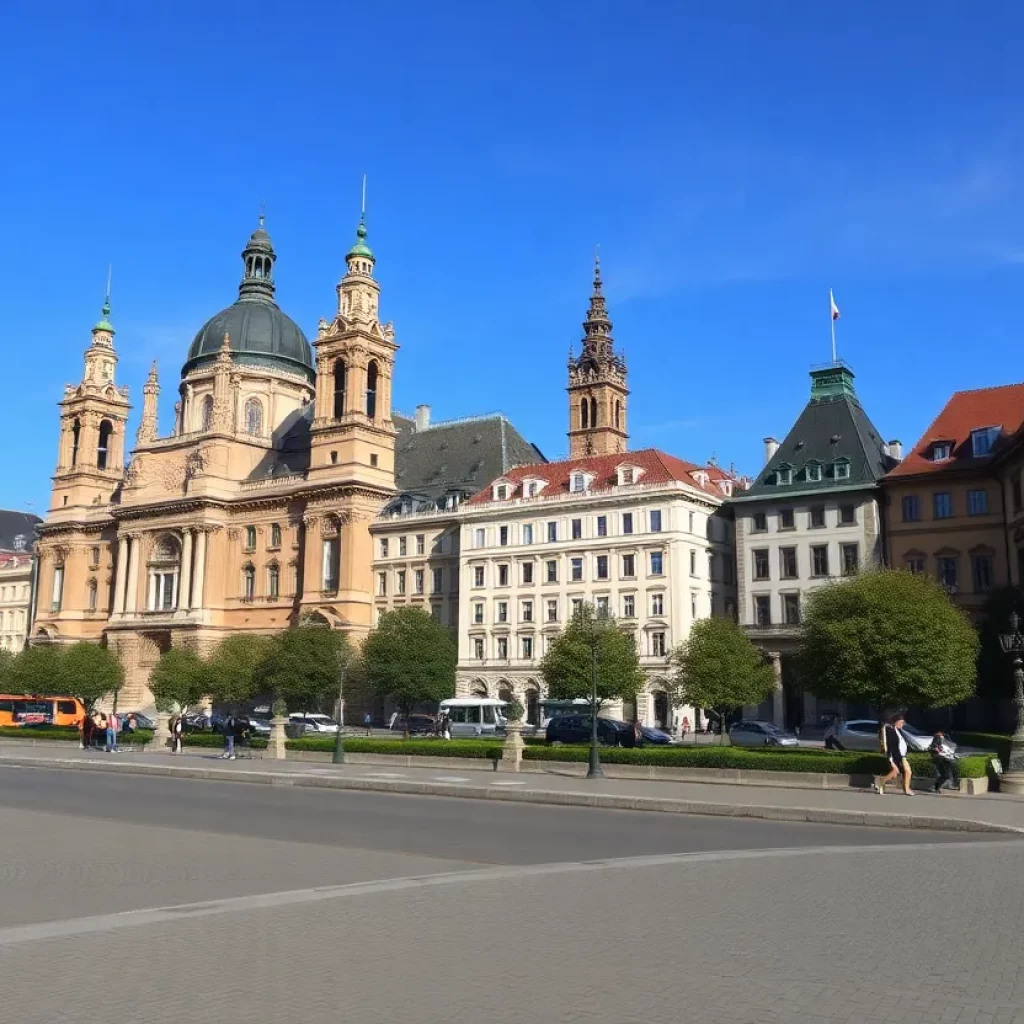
[(449, 778), (17, 935), (383, 775), (508, 782)]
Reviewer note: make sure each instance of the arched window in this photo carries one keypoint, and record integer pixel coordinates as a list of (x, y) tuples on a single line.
[(593, 412), (372, 374), (585, 413), (248, 583), (103, 448), (164, 571), (273, 582), (253, 417), (207, 417), (340, 380), (250, 538), (618, 413), (76, 431)]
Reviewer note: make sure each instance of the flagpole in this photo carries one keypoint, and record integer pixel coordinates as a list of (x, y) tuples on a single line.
[(832, 322)]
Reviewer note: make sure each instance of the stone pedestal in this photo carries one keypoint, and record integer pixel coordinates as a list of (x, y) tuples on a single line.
[(275, 745), (1012, 783), (162, 733), (512, 750)]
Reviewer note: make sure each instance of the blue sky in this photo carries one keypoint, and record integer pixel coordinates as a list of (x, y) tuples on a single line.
[(734, 161)]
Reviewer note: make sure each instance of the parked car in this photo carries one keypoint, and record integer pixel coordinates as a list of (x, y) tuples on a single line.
[(314, 722), (259, 726), (862, 734), (416, 725), (141, 721), (751, 733), (576, 729), (656, 736)]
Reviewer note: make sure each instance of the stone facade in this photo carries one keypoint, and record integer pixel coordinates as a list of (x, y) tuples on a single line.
[(15, 599)]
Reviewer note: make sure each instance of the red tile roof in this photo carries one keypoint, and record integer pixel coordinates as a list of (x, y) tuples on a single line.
[(966, 411), (658, 467)]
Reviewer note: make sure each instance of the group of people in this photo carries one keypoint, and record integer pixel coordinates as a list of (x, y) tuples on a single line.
[(98, 729), (894, 746)]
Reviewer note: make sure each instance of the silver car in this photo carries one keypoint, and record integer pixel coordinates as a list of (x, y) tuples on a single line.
[(749, 733), (862, 734)]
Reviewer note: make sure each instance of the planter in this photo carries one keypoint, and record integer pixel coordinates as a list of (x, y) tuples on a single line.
[(512, 749), (275, 745)]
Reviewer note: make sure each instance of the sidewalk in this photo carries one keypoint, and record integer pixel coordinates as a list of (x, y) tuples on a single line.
[(991, 813)]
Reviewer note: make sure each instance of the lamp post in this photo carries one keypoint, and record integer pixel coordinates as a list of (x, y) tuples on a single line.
[(594, 766), (339, 743), (1012, 780)]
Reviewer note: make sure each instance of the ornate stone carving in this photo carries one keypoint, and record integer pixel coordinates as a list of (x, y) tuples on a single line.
[(195, 465)]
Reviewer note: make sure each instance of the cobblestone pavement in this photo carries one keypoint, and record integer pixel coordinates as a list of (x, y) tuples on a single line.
[(833, 925)]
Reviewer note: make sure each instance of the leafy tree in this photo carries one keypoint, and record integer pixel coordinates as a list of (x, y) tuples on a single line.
[(6, 664), (89, 672), (888, 638), (179, 678), (718, 667), (410, 657), (567, 667), (38, 669), (302, 666), (234, 665)]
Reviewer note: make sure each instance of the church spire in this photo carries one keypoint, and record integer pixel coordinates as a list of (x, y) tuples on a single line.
[(149, 427), (360, 258), (597, 328), (258, 259), (103, 325)]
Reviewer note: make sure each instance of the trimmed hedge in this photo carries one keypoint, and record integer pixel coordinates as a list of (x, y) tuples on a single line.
[(997, 742), (215, 739), (412, 748), (64, 732)]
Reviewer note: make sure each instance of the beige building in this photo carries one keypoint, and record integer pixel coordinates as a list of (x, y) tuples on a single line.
[(640, 535), (15, 599), (255, 511)]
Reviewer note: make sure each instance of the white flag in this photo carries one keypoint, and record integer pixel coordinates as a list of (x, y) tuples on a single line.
[(832, 302)]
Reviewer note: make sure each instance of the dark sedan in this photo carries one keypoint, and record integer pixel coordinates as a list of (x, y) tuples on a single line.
[(576, 729)]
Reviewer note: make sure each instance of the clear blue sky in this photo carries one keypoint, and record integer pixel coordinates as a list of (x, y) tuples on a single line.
[(734, 160)]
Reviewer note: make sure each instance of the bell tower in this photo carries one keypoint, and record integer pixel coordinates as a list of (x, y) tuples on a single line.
[(93, 417), (352, 436), (597, 385)]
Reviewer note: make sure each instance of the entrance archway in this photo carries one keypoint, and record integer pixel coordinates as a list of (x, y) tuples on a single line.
[(661, 710)]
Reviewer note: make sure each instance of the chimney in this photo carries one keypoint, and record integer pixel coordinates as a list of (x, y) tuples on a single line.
[(896, 450), (771, 446), (422, 417)]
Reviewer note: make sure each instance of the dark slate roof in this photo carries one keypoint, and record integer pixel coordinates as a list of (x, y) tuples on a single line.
[(455, 457), (17, 530), (833, 426)]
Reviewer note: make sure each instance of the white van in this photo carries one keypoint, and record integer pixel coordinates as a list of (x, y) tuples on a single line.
[(474, 716)]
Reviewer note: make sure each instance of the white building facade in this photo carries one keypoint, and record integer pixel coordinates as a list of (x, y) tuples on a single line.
[(15, 599), (641, 536)]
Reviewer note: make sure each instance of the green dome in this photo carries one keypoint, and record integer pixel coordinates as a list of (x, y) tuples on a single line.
[(361, 248)]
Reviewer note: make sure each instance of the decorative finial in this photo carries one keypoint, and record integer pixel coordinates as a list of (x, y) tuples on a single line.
[(106, 301), (152, 371), (263, 211), (363, 207), (225, 344)]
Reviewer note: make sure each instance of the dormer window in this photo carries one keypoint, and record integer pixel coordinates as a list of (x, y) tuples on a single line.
[(942, 450), (532, 487), (501, 492), (628, 475), (814, 472), (580, 482), (784, 475), (841, 469), (984, 439), (701, 477), (726, 487)]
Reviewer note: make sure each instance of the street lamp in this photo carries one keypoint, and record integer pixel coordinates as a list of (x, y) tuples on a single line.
[(1012, 780), (339, 743), (594, 767)]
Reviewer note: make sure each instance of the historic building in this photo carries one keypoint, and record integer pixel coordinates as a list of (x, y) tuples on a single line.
[(255, 511), (416, 537), (950, 502), (812, 514), (640, 535), (17, 542)]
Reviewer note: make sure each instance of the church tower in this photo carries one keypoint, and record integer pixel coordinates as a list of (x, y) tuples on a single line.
[(352, 436), (93, 417), (597, 385)]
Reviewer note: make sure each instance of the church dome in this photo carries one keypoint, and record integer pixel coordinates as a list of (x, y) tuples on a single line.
[(261, 335)]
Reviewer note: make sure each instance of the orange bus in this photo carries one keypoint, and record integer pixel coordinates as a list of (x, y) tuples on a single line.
[(21, 709)]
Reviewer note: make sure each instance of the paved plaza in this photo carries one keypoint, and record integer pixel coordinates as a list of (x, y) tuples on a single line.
[(157, 899)]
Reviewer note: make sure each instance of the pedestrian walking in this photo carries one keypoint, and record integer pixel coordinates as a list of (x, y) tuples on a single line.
[(896, 751), (368, 723), (85, 731), (113, 727), (229, 738), (99, 729), (685, 728), (392, 720), (177, 728), (944, 759)]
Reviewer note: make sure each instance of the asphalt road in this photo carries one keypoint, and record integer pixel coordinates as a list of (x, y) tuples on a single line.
[(157, 900)]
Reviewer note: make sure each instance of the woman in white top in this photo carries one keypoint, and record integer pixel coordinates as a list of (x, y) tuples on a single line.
[(896, 751)]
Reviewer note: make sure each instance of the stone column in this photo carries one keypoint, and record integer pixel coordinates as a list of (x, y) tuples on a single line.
[(122, 575), (778, 703), (162, 733), (275, 745), (312, 559), (200, 574), (512, 749), (132, 596), (185, 590)]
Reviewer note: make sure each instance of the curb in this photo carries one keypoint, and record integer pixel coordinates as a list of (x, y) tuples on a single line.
[(607, 801)]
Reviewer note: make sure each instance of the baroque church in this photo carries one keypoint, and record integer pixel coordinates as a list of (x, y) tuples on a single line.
[(255, 511)]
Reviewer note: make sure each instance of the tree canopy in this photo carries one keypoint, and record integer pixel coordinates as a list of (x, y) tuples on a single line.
[(718, 667), (180, 678), (89, 672), (234, 665), (38, 669), (410, 658), (567, 667), (302, 666), (888, 638)]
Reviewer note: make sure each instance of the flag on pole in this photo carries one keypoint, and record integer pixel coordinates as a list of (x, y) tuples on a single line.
[(832, 303)]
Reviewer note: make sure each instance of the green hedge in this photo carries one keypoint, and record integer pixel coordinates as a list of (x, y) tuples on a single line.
[(413, 748), (70, 733), (215, 739), (997, 742)]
